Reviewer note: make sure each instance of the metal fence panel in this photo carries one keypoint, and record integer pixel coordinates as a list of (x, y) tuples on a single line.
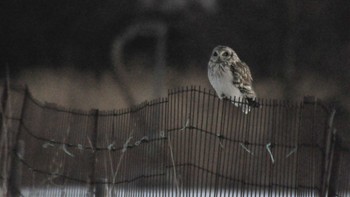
[(188, 144)]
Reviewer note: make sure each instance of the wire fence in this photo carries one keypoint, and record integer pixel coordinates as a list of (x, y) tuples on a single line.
[(188, 144)]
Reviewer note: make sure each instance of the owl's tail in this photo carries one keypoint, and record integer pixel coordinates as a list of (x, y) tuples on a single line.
[(249, 95), (252, 103), (246, 109), (248, 105)]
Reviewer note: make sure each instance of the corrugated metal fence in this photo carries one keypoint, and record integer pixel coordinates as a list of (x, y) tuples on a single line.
[(188, 144)]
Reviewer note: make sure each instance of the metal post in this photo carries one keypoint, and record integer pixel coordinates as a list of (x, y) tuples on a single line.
[(334, 167), (16, 175), (4, 97), (92, 180), (3, 134), (328, 155), (12, 187), (101, 189)]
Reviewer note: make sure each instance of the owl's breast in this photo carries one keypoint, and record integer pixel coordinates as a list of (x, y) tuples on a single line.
[(221, 78)]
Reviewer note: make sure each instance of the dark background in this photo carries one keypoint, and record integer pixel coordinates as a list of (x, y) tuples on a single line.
[(63, 49)]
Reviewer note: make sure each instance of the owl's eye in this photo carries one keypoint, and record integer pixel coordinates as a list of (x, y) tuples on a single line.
[(225, 54), (215, 54)]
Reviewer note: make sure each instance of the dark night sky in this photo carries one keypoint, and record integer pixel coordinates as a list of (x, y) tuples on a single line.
[(50, 33)]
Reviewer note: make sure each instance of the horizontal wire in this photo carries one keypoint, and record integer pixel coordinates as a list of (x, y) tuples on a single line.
[(164, 174), (222, 137)]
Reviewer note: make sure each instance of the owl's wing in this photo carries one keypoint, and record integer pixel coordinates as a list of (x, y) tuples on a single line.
[(242, 79), (241, 73)]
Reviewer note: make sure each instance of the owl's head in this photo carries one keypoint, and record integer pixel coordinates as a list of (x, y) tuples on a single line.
[(223, 54)]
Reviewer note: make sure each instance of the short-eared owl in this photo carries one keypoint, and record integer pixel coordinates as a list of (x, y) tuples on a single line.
[(230, 77)]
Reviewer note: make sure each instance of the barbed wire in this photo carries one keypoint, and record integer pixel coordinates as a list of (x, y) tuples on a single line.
[(146, 139), (135, 178)]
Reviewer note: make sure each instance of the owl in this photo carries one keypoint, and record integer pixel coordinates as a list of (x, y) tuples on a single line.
[(231, 78)]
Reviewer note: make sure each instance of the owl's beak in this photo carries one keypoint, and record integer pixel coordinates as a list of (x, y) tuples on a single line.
[(216, 59)]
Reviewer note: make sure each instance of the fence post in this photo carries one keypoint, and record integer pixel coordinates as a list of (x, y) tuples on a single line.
[(16, 174), (3, 174), (101, 189), (328, 155), (13, 179), (332, 191), (4, 97), (3, 107), (92, 180)]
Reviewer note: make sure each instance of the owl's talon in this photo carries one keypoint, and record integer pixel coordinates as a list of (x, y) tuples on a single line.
[(223, 96), (253, 103)]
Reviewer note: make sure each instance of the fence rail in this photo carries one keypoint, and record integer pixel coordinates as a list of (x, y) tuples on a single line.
[(188, 144)]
